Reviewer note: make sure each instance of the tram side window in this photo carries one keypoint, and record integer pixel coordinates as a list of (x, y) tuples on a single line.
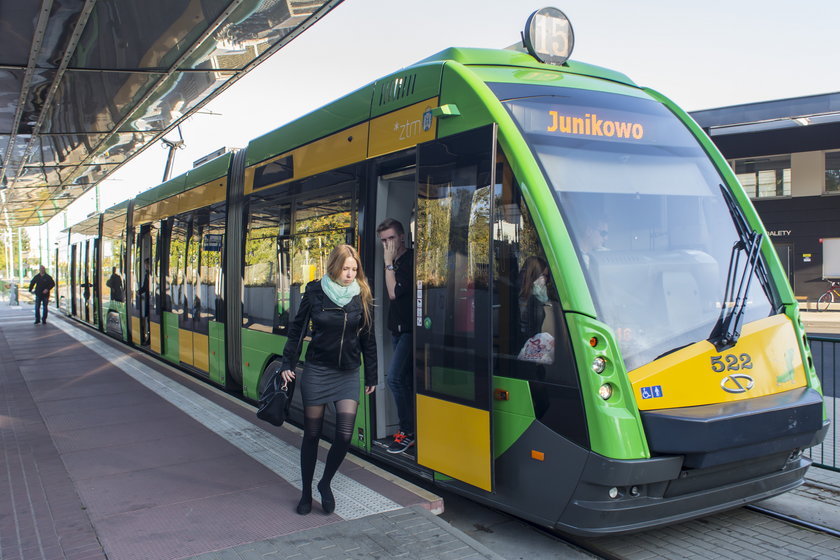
[(264, 306), (112, 274), (211, 237), (530, 339), (192, 301), (453, 256), (320, 224), (177, 262), (285, 251), (156, 303)]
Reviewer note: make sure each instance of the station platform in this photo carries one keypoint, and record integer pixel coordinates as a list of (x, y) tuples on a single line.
[(108, 453)]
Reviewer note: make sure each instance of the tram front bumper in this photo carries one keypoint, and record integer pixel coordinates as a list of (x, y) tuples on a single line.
[(616, 497)]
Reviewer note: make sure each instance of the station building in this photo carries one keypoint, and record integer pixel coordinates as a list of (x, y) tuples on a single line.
[(786, 154)]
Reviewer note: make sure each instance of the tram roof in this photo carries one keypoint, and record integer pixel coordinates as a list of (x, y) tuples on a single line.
[(87, 86)]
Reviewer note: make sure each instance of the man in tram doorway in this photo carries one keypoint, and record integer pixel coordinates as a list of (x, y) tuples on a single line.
[(143, 294), (399, 281), (41, 285)]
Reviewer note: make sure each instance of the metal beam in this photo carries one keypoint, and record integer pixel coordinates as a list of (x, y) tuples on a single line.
[(172, 69), (34, 50), (84, 15)]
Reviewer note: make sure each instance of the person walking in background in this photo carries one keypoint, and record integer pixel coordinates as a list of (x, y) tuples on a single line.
[(41, 285), (399, 281), (340, 309)]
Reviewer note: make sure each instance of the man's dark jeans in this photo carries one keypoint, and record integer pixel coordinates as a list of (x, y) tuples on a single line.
[(401, 380), (41, 300)]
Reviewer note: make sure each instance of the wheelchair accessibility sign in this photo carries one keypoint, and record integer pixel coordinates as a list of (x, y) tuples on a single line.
[(654, 392)]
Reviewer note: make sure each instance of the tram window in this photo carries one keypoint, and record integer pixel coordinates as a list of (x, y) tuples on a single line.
[(265, 298), (280, 259), (211, 291), (175, 281), (112, 276), (530, 340), (320, 224), (156, 305), (453, 254)]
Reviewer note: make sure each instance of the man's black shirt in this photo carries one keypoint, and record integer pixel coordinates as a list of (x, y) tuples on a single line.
[(41, 282), (400, 310)]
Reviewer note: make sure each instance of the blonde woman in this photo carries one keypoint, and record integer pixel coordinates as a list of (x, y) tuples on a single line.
[(339, 306)]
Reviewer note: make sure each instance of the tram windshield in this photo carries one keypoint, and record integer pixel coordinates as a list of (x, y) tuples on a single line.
[(643, 204)]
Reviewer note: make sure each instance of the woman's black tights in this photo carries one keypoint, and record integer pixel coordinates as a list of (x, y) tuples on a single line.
[(313, 420)]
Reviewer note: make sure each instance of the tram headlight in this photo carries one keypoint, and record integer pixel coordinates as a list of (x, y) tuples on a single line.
[(605, 391), (599, 364), (613, 492)]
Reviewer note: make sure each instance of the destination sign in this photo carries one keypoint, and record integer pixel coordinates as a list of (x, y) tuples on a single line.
[(591, 125)]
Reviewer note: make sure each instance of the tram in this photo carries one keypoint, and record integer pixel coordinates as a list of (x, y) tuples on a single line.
[(661, 374)]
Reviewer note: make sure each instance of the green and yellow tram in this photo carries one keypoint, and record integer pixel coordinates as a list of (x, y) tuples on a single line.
[(660, 375)]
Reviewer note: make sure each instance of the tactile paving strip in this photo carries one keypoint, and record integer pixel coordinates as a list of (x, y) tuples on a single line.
[(353, 500)]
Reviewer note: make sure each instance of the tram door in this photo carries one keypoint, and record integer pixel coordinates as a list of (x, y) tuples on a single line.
[(197, 301), (145, 300), (84, 283), (453, 312), (93, 280), (74, 280)]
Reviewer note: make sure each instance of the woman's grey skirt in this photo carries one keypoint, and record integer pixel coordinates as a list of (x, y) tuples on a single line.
[(321, 385)]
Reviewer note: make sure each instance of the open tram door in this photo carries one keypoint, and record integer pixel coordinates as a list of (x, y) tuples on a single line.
[(145, 297), (453, 319)]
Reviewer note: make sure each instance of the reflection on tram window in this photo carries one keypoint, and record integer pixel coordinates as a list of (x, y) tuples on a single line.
[(280, 259)]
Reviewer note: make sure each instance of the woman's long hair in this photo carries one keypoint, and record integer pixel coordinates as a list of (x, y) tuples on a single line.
[(532, 269), (335, 264)]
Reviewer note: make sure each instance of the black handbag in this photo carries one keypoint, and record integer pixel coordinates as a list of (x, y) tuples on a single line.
[(276, 398)]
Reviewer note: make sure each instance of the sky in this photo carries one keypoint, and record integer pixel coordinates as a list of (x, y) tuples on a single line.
[(701, 54)]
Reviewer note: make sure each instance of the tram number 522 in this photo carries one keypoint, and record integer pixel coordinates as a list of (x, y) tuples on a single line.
[(731, 362)]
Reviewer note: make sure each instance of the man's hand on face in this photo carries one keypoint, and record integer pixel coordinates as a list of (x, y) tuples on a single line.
[(389, 247)]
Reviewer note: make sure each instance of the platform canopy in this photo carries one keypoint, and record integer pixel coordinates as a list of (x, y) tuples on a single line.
[(781, 126), (86, 85)]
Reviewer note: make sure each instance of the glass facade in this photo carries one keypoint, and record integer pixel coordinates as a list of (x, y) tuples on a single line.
[(764, 177), (832, 172)]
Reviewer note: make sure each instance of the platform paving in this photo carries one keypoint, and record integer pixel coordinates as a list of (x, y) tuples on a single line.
[(105, 453)]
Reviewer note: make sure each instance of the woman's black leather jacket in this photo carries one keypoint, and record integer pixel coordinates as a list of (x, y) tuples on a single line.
[(339, 335)]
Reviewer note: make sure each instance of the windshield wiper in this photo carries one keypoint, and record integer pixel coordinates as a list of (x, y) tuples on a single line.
[(727, 330)]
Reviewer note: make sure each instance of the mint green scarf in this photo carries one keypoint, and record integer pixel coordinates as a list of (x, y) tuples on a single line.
[(338, 293)]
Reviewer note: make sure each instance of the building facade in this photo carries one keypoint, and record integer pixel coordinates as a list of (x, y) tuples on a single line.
[(786, 154)]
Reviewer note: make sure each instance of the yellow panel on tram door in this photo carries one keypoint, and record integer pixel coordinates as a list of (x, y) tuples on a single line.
[(201, 344), (185, 346), (454, 439), (135, 330), (154, 333)]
